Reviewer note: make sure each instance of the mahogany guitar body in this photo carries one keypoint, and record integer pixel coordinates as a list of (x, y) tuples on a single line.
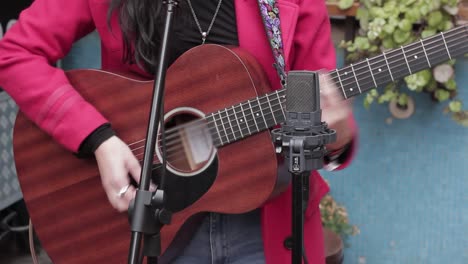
[(67, 204)]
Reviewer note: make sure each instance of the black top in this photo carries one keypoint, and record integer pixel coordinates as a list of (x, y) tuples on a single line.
[(186, 36), (186, 33)]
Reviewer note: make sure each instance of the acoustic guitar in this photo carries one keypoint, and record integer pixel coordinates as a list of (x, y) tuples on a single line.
[(219, 151)]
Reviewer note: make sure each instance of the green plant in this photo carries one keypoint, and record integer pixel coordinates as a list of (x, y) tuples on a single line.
[(335, 217), (388, 24)]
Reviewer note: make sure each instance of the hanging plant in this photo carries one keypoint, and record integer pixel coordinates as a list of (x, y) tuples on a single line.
[(389, 24)]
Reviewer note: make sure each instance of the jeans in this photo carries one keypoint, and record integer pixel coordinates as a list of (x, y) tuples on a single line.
[(222, 238)]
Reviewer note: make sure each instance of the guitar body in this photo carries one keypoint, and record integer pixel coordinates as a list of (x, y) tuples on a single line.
[(67, 204)]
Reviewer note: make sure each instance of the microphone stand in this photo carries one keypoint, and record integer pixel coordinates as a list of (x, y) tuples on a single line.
[(301, 140), (146, 213)]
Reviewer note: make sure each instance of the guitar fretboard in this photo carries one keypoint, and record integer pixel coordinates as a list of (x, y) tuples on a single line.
[(398, 63), (258, 114), (246, 118)]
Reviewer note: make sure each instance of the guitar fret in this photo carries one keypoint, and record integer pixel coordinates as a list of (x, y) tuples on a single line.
[(445, 43), (349, 82), (237, 121), (224, 128), (370, 69), (230, 124), (245, 119), (442, 51), (341, 84), (397, 60), (388, 66), (253, 115), (210, 125), (406, 60), (380, 70), (425, 54), (281, 105), (355, 77), (416, 57), (242, 121), (261, 111), (271, 109)]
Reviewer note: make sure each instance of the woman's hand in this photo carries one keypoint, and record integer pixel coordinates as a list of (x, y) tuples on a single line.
[(116, 162), (335, 112)]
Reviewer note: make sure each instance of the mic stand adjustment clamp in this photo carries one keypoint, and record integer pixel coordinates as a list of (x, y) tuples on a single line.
[(150, 220), (303, 148)]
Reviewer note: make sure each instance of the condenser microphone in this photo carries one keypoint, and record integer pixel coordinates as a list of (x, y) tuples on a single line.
[(302, 101), (303, 135)]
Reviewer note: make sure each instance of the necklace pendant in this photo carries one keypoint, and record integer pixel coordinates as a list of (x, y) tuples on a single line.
[(204, 34)]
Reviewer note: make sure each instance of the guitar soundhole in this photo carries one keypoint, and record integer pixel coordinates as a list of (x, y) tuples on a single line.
[(189, 146)]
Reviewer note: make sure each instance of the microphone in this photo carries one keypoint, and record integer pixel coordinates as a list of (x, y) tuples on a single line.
[(303, 135), (303, 100)]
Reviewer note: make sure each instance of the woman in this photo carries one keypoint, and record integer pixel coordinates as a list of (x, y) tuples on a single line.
[(45, 33)]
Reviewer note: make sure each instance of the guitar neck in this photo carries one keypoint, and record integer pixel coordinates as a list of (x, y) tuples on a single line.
[(395, 64), (260, 113)]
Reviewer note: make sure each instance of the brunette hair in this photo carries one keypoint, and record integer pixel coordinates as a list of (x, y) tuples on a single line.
[(140, 22)]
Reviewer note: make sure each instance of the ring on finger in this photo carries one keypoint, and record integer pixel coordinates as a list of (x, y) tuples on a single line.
[(123, 190)]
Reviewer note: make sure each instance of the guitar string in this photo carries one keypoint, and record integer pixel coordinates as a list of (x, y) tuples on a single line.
[(388, 61), (253, 127), (248, 125), (246, 104), (177, 129), (233, 132), (235, 113), (240, 130), (455, 48), (199, 123), (365, 73), (423, 60), (417, 45), (176, 151)]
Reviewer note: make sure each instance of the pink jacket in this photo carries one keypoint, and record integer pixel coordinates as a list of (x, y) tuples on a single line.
[(46, 31)]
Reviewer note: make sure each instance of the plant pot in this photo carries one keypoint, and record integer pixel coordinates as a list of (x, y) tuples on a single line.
[(463, 11), (333, 247), (401, 112)]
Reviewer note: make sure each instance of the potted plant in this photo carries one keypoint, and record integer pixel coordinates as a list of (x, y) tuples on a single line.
[(337, 228), (389, 24)]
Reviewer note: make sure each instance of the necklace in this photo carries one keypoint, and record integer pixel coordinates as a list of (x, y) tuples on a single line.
[(204, 34)]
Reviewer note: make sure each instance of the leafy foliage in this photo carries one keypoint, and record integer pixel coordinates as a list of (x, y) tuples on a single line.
[(389, 24), (335, 217)]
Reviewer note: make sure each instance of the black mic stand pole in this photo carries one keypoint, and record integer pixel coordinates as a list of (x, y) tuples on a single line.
[(302, 139), (147, 215)]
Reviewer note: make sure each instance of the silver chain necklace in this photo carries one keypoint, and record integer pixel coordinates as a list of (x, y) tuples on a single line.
[(204, 34)]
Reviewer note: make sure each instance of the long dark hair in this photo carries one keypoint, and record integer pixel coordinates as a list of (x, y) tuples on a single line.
[(140, 22)]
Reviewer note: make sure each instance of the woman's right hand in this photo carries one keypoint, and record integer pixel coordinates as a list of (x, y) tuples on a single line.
[(116, 162)]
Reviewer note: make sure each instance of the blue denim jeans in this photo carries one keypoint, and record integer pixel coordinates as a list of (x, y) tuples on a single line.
[(222, 238)]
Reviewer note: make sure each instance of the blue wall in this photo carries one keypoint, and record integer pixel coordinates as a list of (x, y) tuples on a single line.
[(406, 190)]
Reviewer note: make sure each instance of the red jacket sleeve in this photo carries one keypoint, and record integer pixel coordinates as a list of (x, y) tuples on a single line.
[(316, 42), (44, 33)]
